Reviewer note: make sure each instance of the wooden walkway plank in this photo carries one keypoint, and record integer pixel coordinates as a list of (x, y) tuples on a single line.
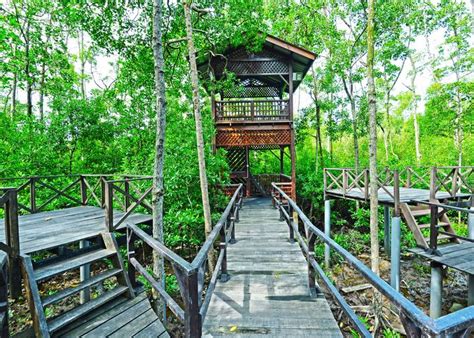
[(268, 292)]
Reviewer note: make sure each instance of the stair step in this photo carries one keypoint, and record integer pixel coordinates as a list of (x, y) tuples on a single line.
[(440, 238), (81, 310), (69, 264), (422, 212), (83, 285), (427, 225)]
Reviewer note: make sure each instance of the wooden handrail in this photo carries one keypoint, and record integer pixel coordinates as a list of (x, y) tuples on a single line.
[(411, 316), (190, 276)]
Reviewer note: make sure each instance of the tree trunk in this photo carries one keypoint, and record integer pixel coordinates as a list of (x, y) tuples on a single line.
[(199, 131), (415, 111), (41, 98), (372, 102), (14, 92), (29, 84), (82, 58), (355, 135), (160, 111)]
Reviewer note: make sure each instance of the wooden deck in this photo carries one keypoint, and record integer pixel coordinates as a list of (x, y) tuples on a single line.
[(407, 195), (267, 293), (456, 256), (50, 229)]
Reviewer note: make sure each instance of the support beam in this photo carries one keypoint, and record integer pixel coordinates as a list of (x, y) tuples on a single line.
[(395, 254), (327, 231), (386, 232), (436, 296)]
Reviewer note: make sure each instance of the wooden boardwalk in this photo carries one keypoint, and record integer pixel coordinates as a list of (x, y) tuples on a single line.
[(50, 229), (267, 293)]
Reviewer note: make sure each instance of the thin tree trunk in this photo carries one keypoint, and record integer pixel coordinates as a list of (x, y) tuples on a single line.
[(415, 112), (160, 111), (82, 58), (14, 92), (372, 101), (199, 131), (355, 135), (41, 98), (29, 84)]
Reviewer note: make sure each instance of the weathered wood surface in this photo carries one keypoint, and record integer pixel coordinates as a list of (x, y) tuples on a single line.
[(50, 229), (407, 195), (267, 293), (456, 256), (121, 318)]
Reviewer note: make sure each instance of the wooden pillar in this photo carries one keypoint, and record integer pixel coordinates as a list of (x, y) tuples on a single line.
[(83, 190), (247, 165), (84, 275), (12, 236), (282, 161)]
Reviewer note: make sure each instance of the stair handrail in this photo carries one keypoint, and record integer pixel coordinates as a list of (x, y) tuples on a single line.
[(190, 275), (415, 321)]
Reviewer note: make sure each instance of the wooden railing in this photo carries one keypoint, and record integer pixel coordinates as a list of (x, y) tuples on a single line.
[(195, 295), (4, 295), (414, 320), (127, 194), (453, 180), (8, 201), (254, 110)]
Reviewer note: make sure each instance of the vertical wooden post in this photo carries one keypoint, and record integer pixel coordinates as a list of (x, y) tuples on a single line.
[(344, 181), (408, 183), (282, 162), (12, 236), (252, 110), (192, 317), (127, 192), (224, 276), (109, 206), (102, 191), (4, 294), (433, 228), (33, 194), (83, 190), (84, 274), (434, 174), (131, 237), (292, 146), (313, 289), (247, 165)]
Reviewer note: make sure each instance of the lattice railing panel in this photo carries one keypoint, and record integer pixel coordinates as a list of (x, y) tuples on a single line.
[(242, 138)]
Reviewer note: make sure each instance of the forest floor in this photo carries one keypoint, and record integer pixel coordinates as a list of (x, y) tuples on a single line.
[(415, 286)]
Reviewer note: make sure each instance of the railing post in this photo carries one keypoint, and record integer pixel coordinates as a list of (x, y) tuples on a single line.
[(252, 110), (12, 237), (433, 228), (224, 276), (408, 183), (83, 190), (192, 317), (102, 191), (127, 193), (434, 174), (344, 181), (33, 194), (109, 205), (131, 237), (4, 331), (290, 223)]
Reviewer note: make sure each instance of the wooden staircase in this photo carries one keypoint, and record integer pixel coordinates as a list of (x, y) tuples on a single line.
[(35, 274), (412, 215)]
